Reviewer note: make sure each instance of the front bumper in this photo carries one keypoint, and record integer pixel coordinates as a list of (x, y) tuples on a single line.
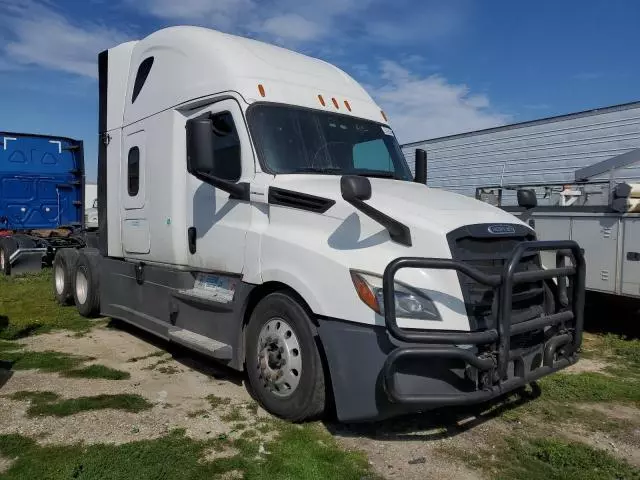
[(406, 370)]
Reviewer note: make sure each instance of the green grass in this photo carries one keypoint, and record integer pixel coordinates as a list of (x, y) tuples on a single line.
[(590, 387), (216, 401), (49, 403), (545, 459), (35, 397), (9, 346), (98, 371), (619, 383), (548, 459), (30, 308), (297, 454), (234, 415), (47, 361), (623, 352), (63, 363)]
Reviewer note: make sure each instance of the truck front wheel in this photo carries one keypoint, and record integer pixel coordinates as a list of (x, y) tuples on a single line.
[(283, 363)]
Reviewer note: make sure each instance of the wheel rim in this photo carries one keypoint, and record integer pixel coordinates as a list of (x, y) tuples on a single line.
[(82, 286), (279, 358), (59, 279)]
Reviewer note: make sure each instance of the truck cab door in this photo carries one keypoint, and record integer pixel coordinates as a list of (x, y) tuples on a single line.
[(216, 224)]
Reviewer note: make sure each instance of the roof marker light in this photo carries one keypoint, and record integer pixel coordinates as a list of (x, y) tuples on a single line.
[(346, 104), (335, 103), (321, 100), (261, 90), (384, 116)]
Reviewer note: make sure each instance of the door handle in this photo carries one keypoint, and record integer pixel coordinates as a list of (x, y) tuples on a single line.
[(633, 256), (191, 237)]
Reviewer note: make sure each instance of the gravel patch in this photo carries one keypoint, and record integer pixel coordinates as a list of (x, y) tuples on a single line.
[(410, 448), (614, 410), (174, 395), (585, 365), (615, 446)]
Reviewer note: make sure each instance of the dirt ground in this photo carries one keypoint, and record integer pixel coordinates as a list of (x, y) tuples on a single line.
[(177, 384), (176, 388)]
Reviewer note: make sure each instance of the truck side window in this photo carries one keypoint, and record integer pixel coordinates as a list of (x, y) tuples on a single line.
[(141, 77), (133, 171), (226, 147)]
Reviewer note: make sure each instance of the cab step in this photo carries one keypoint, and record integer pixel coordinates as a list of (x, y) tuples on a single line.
[(200, 343)]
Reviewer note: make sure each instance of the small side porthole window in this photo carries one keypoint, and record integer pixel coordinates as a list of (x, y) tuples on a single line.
[(133, 171), (141, 77)]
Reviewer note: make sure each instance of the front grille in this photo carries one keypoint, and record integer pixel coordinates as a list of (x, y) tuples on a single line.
[(489, 253)]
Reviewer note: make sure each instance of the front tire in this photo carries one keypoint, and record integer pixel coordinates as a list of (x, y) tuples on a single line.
[(86, 290), (64, 270), (283, 364)]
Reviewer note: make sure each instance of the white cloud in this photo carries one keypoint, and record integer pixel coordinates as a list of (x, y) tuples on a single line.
[(291, 26), (296, 23), (427, 107), (221, 14), (41, 36)]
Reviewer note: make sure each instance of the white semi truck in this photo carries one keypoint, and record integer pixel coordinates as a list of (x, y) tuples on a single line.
[(254, 206)]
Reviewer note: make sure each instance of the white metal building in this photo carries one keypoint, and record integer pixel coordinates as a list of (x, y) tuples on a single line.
[(539, 151), (90, 194)]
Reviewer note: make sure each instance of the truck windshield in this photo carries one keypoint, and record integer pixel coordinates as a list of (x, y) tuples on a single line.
[(298, 140)]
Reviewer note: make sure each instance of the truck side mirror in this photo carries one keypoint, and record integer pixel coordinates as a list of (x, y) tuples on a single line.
[(354, 187), (527, 198), (421, 166), (200, 155)]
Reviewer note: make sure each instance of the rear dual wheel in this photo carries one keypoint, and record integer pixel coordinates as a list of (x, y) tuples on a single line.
[(64, 266), (86, 292), (76, 279)]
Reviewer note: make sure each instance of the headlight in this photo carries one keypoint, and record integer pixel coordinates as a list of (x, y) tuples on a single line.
[(410, 302)]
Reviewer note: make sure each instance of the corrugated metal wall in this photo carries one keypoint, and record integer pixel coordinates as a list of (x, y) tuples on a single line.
[(548, 150)]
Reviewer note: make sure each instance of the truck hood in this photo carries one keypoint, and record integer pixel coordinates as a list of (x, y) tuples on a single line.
[(413, 204)]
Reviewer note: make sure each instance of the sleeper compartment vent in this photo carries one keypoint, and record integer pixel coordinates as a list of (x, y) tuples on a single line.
[(303, 201)]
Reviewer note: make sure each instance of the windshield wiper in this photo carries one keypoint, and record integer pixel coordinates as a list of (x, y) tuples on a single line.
[(340, 171), (325, 170), (375, 173)]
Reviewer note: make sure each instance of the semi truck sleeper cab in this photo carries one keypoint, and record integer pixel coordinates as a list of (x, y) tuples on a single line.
[(254, 206)]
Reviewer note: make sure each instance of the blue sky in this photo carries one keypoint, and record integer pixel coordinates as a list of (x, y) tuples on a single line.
[(436, 67)]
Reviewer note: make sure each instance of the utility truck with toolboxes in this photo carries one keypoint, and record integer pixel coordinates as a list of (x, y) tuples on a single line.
[(254, 206)]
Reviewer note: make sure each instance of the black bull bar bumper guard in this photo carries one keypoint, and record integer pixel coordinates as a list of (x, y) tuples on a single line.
[(559, 351)]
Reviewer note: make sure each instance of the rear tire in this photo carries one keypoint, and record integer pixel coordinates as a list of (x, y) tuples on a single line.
[(283, 364), (64, 271), (7, 247), (86, 284)]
